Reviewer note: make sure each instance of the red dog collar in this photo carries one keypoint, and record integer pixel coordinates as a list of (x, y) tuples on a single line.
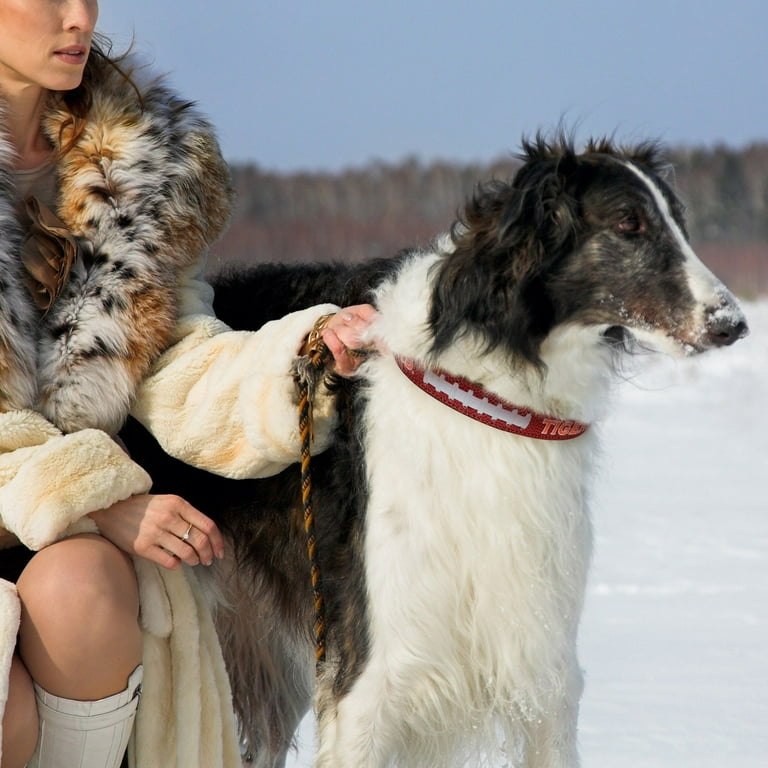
[(479, 404)]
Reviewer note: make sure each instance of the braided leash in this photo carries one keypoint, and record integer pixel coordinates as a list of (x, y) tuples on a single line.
[(309, 370)]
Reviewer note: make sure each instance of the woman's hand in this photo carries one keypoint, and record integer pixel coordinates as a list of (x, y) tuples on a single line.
[(162, 528), (346, 332)]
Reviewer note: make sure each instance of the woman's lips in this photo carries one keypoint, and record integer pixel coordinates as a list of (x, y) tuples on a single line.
[(73, 55)]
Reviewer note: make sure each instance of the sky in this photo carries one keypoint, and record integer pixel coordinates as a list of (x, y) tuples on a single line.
[(333, 84)]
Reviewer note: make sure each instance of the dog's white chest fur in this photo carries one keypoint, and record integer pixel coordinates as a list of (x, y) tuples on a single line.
[(477, 544)]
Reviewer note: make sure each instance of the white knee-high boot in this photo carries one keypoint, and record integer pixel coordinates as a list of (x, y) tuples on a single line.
[(85, 734)]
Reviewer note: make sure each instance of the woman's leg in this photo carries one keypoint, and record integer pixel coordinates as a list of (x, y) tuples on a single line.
[(79, 635), (20, 718), (80, 641)]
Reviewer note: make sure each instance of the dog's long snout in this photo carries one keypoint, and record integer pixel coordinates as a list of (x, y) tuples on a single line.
[(725, 325)]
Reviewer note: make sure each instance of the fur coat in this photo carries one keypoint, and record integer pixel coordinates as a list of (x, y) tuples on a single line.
[(146, 191)]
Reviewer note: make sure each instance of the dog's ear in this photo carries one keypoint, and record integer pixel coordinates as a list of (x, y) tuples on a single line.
[(539, 220), (529, 222), (509, 236)]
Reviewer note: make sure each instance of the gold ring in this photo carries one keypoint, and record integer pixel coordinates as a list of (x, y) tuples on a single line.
[(185, 537)]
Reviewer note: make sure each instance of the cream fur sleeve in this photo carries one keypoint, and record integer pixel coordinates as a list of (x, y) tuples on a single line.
[(49, 481), (225, 400)]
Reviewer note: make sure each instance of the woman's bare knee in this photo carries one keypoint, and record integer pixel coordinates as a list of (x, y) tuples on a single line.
[(79, 607), (20, 719), (79, 577)]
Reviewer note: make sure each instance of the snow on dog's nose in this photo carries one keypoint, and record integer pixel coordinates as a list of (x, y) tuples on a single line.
[(726, 324)]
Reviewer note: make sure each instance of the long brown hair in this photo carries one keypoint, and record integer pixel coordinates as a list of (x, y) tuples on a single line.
[(78, 101)]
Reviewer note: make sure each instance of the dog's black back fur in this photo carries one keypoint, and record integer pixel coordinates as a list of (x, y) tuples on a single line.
[(246, 297)]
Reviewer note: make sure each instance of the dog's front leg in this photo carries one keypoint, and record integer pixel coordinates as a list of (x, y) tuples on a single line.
[(353, 731), (551, 739)]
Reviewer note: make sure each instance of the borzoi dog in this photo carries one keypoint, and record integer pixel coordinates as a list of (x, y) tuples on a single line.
[(453, 526)]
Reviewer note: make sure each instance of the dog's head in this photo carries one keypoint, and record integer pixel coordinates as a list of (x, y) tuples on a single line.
[(595, 238)]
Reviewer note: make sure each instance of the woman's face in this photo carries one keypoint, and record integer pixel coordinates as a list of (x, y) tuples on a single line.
[(45, 43)]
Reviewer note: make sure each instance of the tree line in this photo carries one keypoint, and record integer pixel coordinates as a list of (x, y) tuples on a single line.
[(377, 209)]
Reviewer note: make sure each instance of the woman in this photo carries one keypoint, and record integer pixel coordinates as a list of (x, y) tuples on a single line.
[(111, 191)]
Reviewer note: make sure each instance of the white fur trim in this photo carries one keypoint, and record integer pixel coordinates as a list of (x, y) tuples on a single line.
[(10, 612), (186, 719), (47, 486), (156, 616), (22, 429)]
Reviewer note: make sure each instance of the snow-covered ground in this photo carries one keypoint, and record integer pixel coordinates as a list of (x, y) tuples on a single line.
[(674, 638)]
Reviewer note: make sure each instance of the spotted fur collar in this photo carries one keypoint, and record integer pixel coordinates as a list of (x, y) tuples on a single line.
[(146, 191)]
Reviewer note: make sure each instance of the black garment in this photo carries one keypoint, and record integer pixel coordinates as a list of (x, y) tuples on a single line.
[(13, 561)]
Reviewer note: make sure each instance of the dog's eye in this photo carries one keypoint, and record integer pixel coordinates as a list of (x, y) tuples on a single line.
[(631, 224)]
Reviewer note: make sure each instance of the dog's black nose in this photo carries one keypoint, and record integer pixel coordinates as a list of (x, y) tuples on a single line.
[(724, 329)]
